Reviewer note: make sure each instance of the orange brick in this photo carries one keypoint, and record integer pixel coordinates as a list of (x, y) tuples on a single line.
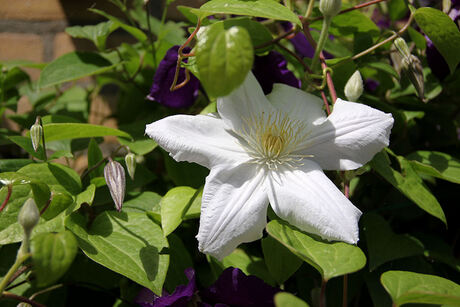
[(32, 9), (21, 46), (62, 44)]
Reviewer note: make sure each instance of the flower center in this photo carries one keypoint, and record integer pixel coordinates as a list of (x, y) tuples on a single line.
[(271, 139)]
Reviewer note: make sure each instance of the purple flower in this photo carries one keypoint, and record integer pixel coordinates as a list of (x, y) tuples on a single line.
[(302, 46), (164, 76), (180, 297), (272, 69), (236, 289), (371, 84), (232, 288)]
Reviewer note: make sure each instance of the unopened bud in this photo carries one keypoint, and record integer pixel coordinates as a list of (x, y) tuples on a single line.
[(354, 87), (413, 69), (114, 175), (28, 216), (330, 8), (36, 132), (446, 5), (402, 47), (130, 160), (22, 304)]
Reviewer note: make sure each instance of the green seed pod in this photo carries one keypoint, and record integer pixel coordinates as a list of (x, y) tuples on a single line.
[(354, 87), (36, 133), (29, 216), (130, 160), (330, 8), (114, 175)]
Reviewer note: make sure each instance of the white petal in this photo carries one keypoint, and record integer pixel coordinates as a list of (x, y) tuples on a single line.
[(307, 199), (233, 209), (243, 103), (298, 104), (350, 136), (201, 139)]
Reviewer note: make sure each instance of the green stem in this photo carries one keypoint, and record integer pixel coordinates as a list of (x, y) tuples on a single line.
[(147, 11), (322, 40), (19, 260), (309, 9)]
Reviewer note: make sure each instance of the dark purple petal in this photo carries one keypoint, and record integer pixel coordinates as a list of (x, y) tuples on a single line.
[(271, 69), (180, 297), (236, 289), (301, 45), (381, 20), (164, 76), (371, 84)]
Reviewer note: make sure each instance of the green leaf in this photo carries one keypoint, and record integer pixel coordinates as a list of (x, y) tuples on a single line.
[(10, 230), (59, 203), (249, 264), (87, 196), (417, 38), (387, 68), (12, 165), (283, 299), (175, 205), (330, 259), (65, 131), (184, 173), (128, 243), (13, 178), (26, 144), (52, 255), (384, 245), (436, 164), (140, 147), (281, 263), (138, 34), (350, 23), (408, 287), (258, 33), (147, 201), (180, 260), (443, 33), (410, 185), (257, 8), (58, 177), (72, 66), (397, 9), (95, 157), (223, 58), (97, 34)]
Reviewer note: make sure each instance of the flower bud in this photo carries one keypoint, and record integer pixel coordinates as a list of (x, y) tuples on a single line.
[(354, 87), (22, 304), (130, 160), (330, 8), (28, 216), (36, 132), (413, 69), (446, 5), (114, 175), (401, 45)]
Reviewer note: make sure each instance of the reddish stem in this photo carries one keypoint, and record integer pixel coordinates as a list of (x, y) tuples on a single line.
[(330, 83), (21, 299), (180, 56), (322, 295), (326, 103), (46, 205), (345, 291), (8, 195)]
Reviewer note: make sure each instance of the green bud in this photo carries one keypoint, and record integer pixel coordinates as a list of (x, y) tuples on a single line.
[(354, 87), (330, 8), (36, 132), (446, 5), (130, 160), (28, 216), (401, 46), (413, 69), (22, 304), (114, 175)]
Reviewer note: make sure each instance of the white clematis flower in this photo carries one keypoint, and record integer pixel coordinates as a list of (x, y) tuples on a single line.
[(272, 149)]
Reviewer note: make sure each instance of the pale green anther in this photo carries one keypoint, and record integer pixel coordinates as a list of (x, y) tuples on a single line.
[(354, 87), (330, 8), (28, 216), (402, 47), (36, 132), (130, 160)]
